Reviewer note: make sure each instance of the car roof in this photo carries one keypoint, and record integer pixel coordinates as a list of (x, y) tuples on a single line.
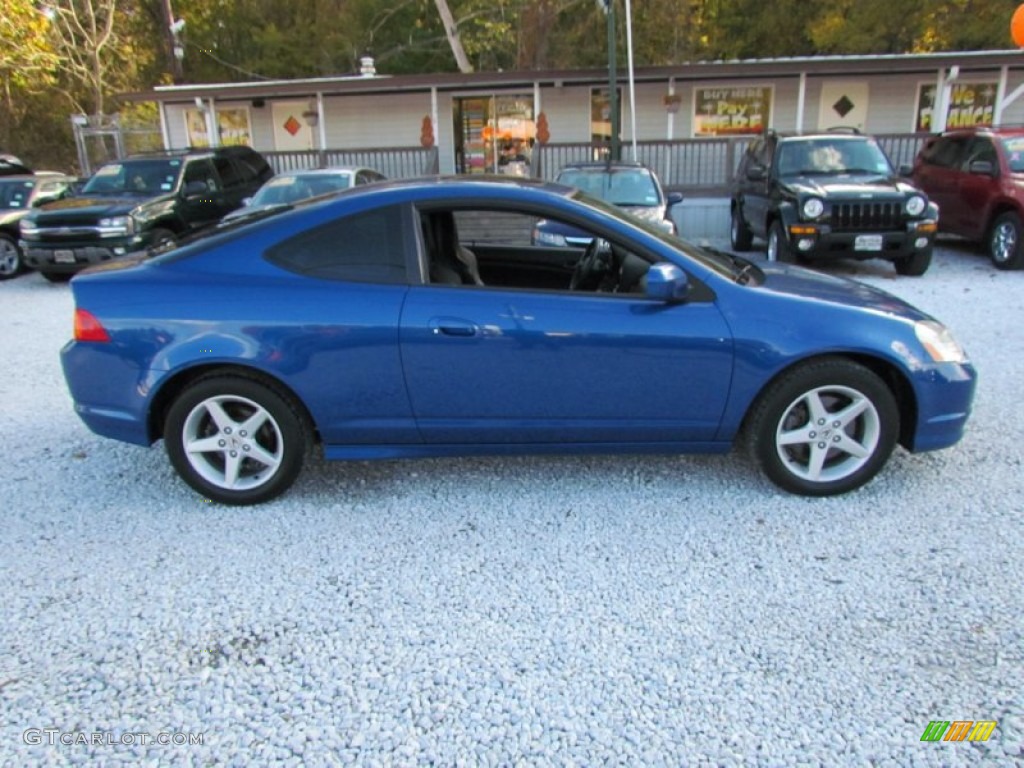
[(988, 130)]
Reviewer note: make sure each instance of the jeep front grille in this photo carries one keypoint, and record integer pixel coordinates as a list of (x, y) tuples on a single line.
[(850, 217)]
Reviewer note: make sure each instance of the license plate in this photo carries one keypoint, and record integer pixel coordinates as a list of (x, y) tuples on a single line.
[(64, 257), (868, 243)]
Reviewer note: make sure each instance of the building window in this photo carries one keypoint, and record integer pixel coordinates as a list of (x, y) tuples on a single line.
[(494, 134)]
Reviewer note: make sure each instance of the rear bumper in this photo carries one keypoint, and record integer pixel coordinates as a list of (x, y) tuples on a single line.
[(110, 395)]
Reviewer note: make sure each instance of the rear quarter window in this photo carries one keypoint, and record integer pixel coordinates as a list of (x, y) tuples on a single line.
[(366, 247)]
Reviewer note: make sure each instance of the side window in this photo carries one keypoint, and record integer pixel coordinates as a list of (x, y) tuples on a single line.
[(945, 152), (201, 170), (230, 177), (980, 149), (365, 247)]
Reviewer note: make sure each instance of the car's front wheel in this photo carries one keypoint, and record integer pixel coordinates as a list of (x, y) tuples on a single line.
[(10, 258), (914, 265), (778, 245), (739, 233), (824, 428), (1005, 242), (236, 440)]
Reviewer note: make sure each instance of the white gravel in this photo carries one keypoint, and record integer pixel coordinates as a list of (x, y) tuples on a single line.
[(537, 611)]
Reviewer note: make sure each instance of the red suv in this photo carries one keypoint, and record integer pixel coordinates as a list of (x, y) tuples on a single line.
[(976, 175)]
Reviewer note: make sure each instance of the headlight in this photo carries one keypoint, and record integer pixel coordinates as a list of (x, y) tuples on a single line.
[(939, 342), (813, 208), (28, 228), (548, 238), (116, 225), (915, 205), (666, 225)]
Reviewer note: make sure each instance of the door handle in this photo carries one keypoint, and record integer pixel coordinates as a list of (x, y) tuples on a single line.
[(452, 326)]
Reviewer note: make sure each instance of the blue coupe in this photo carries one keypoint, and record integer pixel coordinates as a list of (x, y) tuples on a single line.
[(415, 318)]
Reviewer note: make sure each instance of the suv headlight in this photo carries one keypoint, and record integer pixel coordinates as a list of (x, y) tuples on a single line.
[(813, 208), (115, 226), (939, 342), (915, 205), (28, 228)]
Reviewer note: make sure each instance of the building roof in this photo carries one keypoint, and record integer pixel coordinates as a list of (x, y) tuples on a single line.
[(704, 71)]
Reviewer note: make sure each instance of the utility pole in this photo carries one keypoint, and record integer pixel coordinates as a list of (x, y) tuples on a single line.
[(608, 6), (172, 29)]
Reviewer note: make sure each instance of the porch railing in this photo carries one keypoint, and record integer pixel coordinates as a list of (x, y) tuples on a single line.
[(393, 162)]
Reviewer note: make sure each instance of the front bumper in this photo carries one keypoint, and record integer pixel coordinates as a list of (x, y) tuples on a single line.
[(71, 257), (945, 393), (821, 242)]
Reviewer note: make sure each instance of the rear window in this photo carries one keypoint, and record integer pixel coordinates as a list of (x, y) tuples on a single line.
[(364, 247)]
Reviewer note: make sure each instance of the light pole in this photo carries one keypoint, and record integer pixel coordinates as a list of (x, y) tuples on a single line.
[(608, 6)]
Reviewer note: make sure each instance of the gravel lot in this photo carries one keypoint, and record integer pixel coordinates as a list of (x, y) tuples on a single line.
[(536, 611)]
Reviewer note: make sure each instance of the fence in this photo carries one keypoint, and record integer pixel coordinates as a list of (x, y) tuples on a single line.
[(702, 167), (393, 162)]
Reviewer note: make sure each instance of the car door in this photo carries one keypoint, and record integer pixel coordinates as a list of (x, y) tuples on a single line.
[(976, 192), (937, 172), (200, 209), (754, 192), (501, 365)]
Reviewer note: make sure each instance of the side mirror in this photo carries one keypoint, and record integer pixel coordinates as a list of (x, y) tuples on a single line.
[(982, 167), (196, 189), (756, 172), (667, 282), (674, 198)]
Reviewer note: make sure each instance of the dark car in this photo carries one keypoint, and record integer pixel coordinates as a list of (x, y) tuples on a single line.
[(632, 186), (19, 194), (976, 175), (830, 195), (138, 202), (12, 166), (415, 318)]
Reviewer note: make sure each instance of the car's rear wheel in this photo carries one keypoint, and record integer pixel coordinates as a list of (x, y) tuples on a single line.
[(10, 258), (1005, 242), (162, 240), (739, 233), (824, 428), (914, 265), (236, 440), (778, 245)]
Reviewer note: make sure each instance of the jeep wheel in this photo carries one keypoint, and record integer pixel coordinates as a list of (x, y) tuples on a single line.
[(914, 265), (778, 245), (10, 258), (1005, 243), (739, 233)]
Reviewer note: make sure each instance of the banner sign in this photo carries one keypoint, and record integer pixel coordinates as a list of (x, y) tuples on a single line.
[(731, 111)]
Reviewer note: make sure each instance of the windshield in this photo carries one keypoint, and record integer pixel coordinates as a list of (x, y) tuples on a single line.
[(289, 189), (135, 177), (1014, 146), (618, 186), (831, 156), (15, 194)]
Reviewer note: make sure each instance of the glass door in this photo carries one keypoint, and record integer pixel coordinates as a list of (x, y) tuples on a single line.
[(494, 134)]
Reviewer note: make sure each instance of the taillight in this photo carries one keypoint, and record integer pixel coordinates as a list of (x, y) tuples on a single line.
[(88, 328)]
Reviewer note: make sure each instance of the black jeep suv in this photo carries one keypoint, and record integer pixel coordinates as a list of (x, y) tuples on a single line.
[(830, 195), (138, 202)]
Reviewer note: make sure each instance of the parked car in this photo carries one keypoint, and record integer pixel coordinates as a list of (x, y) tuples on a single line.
[(830, 195), (975, 176), (19, 194), (376, 323), (141, 201), (283, 190), (11, 166), (631, 186)]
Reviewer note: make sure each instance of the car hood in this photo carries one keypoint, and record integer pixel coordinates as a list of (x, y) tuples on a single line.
[(92, 207), (846, 187), (811, 286)]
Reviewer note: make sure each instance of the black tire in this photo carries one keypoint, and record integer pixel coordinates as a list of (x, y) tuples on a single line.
[(262, 465), (11, 264), (914, 265), (809, 456), (739, 233), (162, 240), (57, 277), (1006, 241), (778, 244)]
